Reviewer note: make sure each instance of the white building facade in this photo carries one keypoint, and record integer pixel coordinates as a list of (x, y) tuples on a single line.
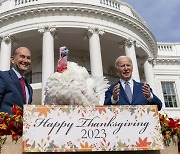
[(96, 33)]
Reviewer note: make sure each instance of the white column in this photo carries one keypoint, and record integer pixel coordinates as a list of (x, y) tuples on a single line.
[(130, 52), (149, 73), (5, 53), (95, 52), (47, 54), (95, 55)]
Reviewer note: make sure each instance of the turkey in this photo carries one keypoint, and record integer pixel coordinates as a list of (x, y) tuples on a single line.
[(71, 84)]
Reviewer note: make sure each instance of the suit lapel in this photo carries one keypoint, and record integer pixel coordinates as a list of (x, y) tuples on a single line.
[(136, 89), (29, 90), (123, 93), (16, 82)]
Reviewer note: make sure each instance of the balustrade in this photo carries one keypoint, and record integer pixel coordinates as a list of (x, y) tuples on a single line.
[(165, 47), (112, 4), (18, 2)]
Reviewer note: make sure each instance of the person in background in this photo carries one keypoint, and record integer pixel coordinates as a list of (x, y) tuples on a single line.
[(127, 91), (14, 89)]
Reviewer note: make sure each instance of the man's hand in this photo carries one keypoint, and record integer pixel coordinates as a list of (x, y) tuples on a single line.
[(146, 90), (116, 91)]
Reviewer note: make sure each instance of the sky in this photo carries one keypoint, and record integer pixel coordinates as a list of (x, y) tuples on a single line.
[(162, 17)]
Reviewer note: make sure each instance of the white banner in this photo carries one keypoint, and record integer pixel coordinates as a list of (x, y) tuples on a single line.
[(91, 128)]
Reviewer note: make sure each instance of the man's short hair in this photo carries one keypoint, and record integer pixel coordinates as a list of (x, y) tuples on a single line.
[(117, 60)]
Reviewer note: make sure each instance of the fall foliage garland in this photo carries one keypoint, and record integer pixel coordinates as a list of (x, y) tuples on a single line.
[(170, 129), (11, 125)]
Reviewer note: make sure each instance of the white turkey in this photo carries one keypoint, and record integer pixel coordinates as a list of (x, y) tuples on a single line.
[(71, 84)]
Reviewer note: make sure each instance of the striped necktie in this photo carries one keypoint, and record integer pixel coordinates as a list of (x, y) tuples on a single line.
[(128, 91)]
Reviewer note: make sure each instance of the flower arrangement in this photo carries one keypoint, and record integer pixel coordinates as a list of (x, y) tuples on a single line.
[(170, 129), (11, 125)]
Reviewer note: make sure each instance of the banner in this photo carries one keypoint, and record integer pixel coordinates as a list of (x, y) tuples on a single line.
[(49, 128)]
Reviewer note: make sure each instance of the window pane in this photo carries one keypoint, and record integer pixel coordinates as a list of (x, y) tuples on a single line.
[(168, 89), (169, 94), (28, 77), (174, 101)]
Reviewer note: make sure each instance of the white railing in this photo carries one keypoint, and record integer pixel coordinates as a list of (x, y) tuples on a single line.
[(19, 2), (6, 5), (122, 7), (111, 3), (169, 50), (165, 47)]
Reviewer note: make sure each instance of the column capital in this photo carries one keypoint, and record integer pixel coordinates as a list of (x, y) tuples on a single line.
[(128, 42), (6, 38), (151, 60), (92, 30), (51, 29)]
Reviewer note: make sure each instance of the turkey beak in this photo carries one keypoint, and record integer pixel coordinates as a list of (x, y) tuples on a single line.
[(63, 54)]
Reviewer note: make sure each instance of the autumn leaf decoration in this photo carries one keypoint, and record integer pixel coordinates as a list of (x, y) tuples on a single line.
[(11, 125), (85, 147), (143, 144), (43, 111), (170, 129)]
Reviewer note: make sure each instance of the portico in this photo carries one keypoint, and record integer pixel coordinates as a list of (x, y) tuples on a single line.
[(93, 35)]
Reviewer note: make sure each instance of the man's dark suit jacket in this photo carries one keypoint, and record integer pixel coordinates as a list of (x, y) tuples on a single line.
[(11, 92), (137, 98)]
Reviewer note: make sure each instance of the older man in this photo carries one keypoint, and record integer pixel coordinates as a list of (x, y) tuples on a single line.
[(14, 89), (127, 91)]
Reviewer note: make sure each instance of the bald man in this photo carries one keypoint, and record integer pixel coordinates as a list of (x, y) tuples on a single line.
[(14, 91), (127, 91)]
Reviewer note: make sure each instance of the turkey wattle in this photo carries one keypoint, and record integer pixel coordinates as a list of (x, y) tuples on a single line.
[(72, 84)]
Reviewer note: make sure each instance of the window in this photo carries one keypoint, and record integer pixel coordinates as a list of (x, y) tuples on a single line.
[(28, 77), (169, 93)]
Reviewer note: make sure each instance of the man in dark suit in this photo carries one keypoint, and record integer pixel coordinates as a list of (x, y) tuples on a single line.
[(127, 91), (14, 91)]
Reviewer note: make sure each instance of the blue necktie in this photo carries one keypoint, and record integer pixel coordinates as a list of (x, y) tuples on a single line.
[(128, 91)]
